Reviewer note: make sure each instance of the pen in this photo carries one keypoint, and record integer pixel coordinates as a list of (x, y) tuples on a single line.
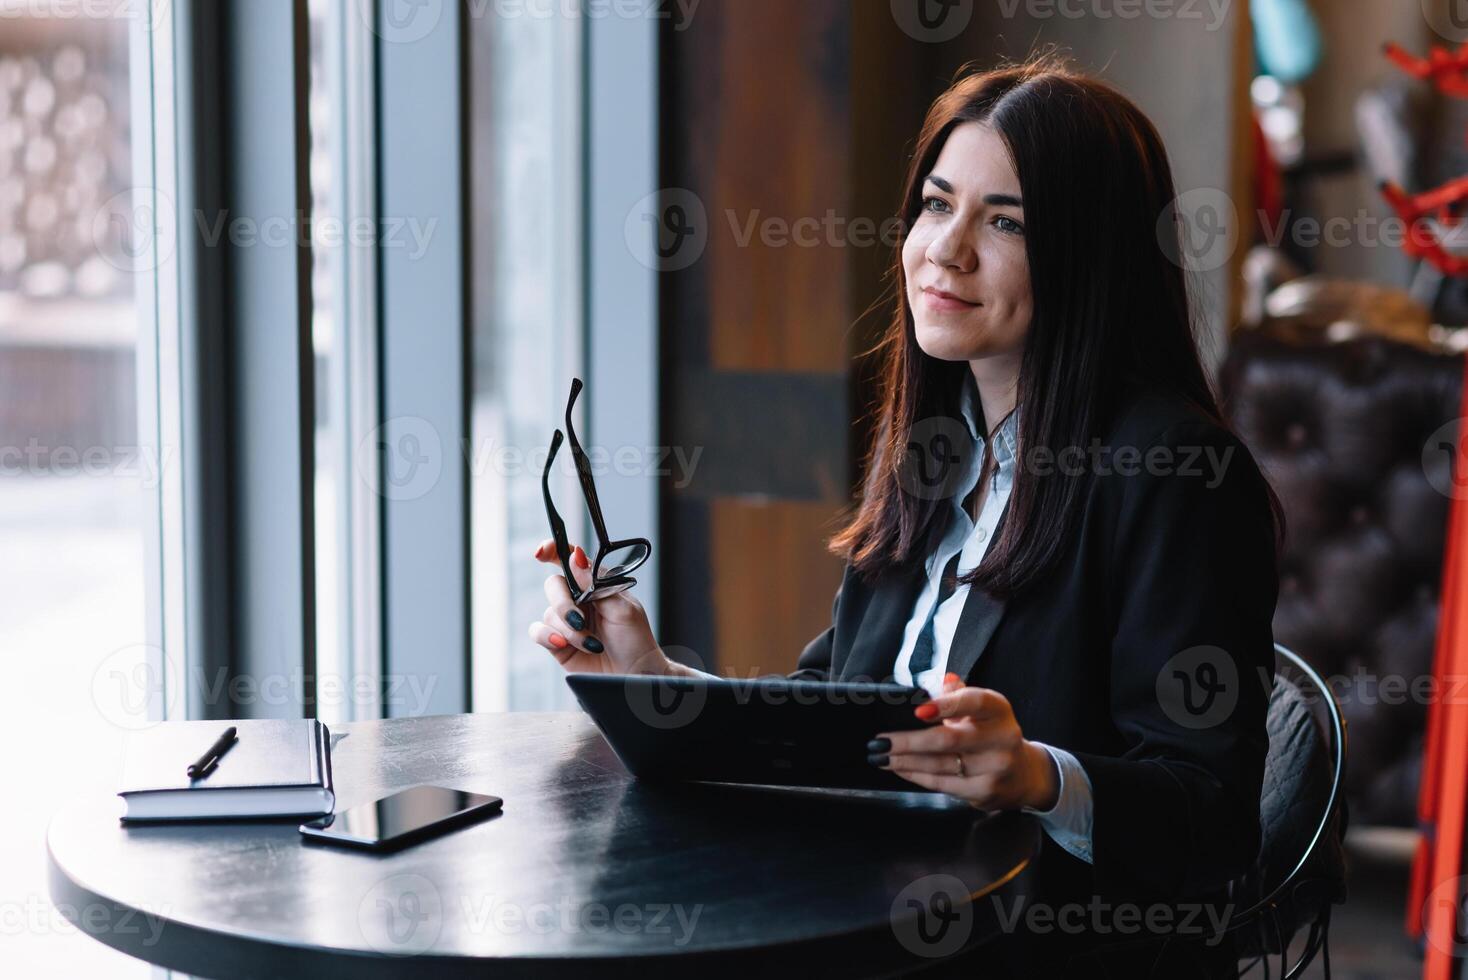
[(210, 759)]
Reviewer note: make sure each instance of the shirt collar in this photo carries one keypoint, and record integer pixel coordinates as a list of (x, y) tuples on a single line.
[(1006, 446)]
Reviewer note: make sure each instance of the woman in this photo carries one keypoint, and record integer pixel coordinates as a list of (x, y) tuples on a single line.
[(1058, 534)]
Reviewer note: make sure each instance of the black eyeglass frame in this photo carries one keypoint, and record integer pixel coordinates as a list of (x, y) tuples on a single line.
[(602, 585)]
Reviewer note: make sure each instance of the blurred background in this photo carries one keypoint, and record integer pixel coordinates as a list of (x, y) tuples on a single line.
[(292, 291)]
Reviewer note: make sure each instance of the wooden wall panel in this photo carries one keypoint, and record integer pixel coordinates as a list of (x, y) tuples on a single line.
[(757, 126), (788, 599)]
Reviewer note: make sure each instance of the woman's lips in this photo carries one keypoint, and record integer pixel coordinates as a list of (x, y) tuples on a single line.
[(938, 300)]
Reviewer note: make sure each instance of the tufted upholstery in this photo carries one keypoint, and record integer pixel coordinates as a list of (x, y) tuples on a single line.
[(1340, 430)]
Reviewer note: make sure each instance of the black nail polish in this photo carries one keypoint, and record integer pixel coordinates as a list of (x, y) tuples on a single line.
[(878, 760), (593, 644), (879, 745), (575, 620)]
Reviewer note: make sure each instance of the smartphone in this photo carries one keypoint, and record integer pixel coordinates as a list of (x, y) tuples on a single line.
[(405, 817)]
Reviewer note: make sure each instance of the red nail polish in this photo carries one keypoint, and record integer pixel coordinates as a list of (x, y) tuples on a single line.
[(557, 640), (927, 712), (952, 678)]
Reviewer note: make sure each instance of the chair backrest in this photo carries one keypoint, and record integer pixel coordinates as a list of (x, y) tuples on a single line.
[(1301, 866)]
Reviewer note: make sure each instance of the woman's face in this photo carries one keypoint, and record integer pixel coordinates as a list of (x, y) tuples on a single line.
[(968, 280)]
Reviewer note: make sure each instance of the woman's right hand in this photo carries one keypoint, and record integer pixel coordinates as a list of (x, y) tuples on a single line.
[(609, 636)]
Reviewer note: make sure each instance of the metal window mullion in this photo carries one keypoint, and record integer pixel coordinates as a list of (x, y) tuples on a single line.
[(424, 360), (359, 399), (621, 120), (270, 358)]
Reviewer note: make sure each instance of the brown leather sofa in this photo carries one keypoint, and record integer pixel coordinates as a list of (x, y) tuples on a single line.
[(1342, 431)]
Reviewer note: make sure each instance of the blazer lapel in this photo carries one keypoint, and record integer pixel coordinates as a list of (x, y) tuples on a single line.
[(977, 623), (874, 651)]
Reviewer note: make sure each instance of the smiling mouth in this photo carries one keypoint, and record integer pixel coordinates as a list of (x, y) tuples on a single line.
[(939, 299)]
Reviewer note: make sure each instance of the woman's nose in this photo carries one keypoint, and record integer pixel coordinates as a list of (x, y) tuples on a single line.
[(949, 250)]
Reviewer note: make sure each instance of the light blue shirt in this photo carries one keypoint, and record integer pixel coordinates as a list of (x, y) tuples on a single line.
[(1068, 822)]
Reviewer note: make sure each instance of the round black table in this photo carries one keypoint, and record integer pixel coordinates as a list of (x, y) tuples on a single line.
[(585, 869)]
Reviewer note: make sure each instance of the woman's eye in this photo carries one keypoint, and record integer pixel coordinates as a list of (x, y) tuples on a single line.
[(936, 204), (1008, 225)]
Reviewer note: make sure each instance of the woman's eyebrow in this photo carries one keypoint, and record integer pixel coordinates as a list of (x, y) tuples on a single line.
[(995, 200)]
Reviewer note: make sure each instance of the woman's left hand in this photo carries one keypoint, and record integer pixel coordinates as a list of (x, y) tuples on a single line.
[(1000, 769)]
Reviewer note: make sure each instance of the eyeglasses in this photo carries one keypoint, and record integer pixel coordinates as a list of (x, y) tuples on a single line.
[(615, 560)]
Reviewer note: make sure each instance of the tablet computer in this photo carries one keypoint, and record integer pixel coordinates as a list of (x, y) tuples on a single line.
[(768, 731)]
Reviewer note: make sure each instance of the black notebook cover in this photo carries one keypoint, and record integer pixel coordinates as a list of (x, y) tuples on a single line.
[(273, 769)]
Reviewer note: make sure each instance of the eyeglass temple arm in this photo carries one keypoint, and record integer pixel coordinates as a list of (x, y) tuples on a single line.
[(583, 470), (558, 526)]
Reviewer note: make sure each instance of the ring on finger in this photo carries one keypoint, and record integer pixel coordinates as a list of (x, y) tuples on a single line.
[(959, 757)]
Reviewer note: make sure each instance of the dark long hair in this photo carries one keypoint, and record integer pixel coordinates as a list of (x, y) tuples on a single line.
[(1110, 307)]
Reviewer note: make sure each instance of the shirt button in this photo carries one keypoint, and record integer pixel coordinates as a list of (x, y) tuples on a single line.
[(981, 534)]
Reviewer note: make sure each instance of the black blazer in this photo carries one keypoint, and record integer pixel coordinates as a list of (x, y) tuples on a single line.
[(1162, 561)]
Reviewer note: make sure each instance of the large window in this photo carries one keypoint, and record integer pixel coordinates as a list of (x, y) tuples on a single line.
[(526, 288), (77, 476), (344, 344)]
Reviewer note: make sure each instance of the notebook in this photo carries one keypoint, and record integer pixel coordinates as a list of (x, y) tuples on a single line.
[(271, 769)]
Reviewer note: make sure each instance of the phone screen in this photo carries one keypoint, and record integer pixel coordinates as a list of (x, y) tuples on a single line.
[(407, 815)]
